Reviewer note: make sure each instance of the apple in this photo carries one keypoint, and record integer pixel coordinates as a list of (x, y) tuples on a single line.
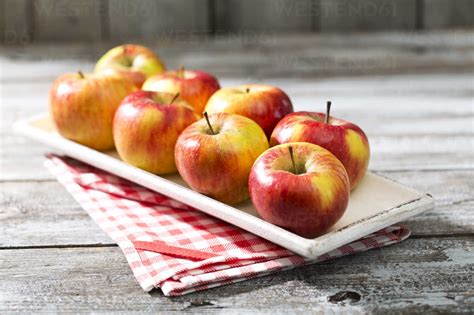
[(195, 86), (215, 154), (133, 61), (82, 106), (344, 139), (264, 104), (146, 127), (300, 187)]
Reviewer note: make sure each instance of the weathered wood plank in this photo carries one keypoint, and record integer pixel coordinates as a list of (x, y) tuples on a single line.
[(22, 159), (453, 192), (2, 21), (410, 119), (448, 14), (43, 213), (155, 20), (397, 96), (416, 276), (440, 93), (15, 22), (268, 16), (349, 15), (95, 19), (67, 20), (259, 57)]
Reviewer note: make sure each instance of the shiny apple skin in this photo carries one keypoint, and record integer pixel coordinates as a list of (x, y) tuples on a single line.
[(343, 139), (194, 86), (146, 127), (83, 108), (219, 165), (135, 62), (307, 204), (264, 104)]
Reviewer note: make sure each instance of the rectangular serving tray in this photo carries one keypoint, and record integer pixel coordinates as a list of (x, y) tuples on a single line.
[(376, 203)]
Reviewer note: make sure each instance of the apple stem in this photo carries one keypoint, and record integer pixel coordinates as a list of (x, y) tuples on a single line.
[(81, 75), (181, 72), (174, 98), (290, 148), (247, 90), (209, 123), (328, 110)]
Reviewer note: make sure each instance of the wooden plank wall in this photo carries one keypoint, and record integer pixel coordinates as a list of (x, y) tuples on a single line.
[(24, 21)]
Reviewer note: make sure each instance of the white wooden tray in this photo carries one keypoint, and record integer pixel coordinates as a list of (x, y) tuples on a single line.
[(376, 203)]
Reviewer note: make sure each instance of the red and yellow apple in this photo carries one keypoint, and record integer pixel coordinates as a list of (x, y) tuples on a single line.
[(300, 187), (344, 139), (83, 106), (146, 127), (133, 61), (194, 86), (264, 104), (215, 154)]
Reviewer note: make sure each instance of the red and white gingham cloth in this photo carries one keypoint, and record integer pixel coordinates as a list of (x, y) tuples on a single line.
[(174, 247)]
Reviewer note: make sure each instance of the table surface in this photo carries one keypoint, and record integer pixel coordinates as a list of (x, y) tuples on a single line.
[(411, 92)]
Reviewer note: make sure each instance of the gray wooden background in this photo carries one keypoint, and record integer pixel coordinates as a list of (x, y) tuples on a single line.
[(26, 21)]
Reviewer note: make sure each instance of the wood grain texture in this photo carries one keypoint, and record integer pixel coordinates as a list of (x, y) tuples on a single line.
[(155, 20), (269, 16), (453, 192), (439, 14), (2, 21), (46, 208), (44, 214), (257, 57), (416, 276), (350, 15), (119, 20), (414, 118), (67, 20)]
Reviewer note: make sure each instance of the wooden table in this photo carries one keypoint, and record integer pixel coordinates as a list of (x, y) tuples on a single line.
[(412, 93)]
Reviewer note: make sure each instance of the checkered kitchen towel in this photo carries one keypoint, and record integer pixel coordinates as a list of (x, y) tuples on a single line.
[(172, 246)]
